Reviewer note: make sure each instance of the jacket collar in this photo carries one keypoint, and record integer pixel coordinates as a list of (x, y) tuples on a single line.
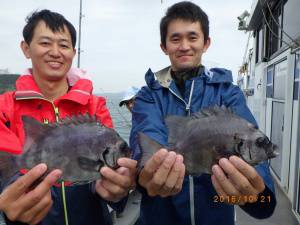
[(79, 81), (164, 79)]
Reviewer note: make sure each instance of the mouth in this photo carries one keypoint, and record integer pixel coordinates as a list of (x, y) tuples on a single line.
[(184, 56), (54, 64)]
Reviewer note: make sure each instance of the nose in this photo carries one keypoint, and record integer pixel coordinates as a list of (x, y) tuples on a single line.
[(54, 51), (184, 45)]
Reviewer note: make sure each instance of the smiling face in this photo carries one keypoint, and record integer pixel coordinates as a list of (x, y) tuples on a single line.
[(185, 44), (51, 53)]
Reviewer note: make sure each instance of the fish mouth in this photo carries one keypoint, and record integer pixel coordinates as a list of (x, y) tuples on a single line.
[(272, 154)]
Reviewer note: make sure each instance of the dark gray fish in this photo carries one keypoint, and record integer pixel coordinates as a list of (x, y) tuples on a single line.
[(80, 146), (209, 135)]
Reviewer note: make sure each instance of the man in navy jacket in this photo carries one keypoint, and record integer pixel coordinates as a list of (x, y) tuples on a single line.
[(168, 196)]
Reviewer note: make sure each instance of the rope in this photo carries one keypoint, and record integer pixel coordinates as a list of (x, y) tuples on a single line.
[(64, 202)]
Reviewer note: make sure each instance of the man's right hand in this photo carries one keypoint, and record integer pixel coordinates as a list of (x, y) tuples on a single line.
[(163, 174), (20, 203)]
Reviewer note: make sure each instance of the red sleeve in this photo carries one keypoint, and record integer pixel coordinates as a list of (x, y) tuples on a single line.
[(103, 114), (9, 141)]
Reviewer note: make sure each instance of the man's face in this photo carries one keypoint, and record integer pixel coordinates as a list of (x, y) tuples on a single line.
[(185, 44), (51, 53)]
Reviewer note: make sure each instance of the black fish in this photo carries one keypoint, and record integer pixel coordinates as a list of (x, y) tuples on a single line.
[(79, 146), (209, 135)]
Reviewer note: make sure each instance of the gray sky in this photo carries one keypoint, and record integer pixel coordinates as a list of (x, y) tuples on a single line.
[(120, 38)]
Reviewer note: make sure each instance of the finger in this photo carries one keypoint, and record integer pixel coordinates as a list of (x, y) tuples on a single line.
[(249, 172), (172, 177), (224, 182), (115, 178), (38, 218), (34, 196), (239, 181), (128, 163), (179, 182), (20, 186), (113, 188), (151, 166), (218, 187), (41, 207), (162, 173), (130, 175), (223, 196), (103, 192)]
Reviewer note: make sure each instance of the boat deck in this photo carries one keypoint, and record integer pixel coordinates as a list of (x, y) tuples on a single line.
[(283, 214)]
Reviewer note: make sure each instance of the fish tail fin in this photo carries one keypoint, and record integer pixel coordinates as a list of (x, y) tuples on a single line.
[(148, 147), (7, 167)]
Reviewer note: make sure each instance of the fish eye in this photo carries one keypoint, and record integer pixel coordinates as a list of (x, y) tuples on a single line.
[(123, 146), (260, 141)]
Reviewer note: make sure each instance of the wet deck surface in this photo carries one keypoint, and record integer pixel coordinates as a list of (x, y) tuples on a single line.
[(282, 215)]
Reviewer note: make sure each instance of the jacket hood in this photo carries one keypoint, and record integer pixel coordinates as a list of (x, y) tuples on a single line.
[(163, 77)]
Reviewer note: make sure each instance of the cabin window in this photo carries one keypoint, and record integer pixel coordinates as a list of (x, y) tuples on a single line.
[(280, 73), (274, 32), (291, 20)]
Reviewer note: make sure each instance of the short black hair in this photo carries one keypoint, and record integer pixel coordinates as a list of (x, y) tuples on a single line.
[(53, 20), (187, 11)]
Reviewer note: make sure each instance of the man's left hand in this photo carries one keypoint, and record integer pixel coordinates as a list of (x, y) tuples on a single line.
[(236, 182), (115, 185)]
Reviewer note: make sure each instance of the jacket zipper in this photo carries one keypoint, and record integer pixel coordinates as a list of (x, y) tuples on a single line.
[(191, 179), (187, 105), (56, 113), (55, 108)]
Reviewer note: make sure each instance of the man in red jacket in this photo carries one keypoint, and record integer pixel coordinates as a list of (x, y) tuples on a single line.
[(49, 92)]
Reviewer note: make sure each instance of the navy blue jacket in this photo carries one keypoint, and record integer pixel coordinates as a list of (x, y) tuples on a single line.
[(195, 203)]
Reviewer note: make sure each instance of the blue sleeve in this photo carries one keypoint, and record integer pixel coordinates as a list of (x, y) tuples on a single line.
[(234, 98), (148, 119)]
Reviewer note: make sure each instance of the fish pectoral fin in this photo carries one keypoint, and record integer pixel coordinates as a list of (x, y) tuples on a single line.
[(89, 164)]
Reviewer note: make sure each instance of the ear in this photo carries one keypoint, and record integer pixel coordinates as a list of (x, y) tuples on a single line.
[(74, 51), (163, 48), (25, 48), (207, 44)]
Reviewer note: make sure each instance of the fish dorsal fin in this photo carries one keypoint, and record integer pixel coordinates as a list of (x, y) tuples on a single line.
[(148, 147), (79, 119), (212, 111), (175, 125), (33, 130)]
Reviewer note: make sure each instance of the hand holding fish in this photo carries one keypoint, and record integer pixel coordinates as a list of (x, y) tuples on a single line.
[(115, 184), (163, 174), (21, 203), (236, 178)]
